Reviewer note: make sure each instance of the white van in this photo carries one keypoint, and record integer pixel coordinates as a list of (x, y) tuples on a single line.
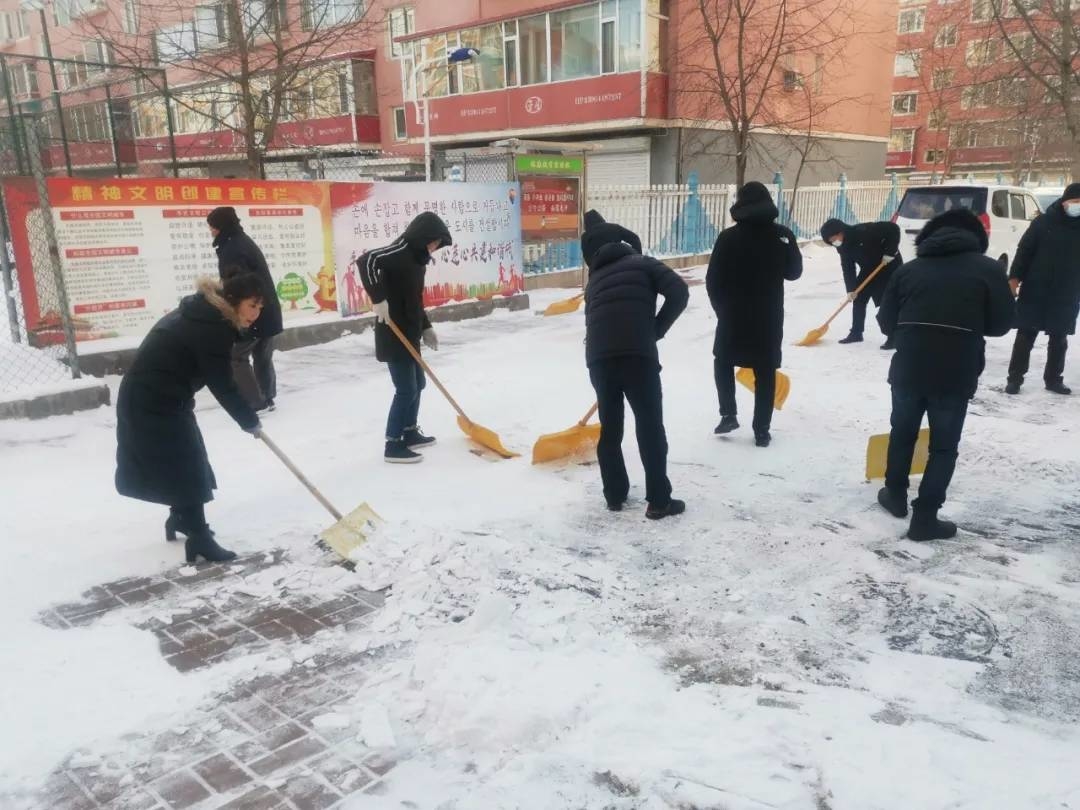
[(1005, 212)]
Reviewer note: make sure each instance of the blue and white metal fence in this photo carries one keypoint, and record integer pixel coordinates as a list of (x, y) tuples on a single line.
[(682, 220)]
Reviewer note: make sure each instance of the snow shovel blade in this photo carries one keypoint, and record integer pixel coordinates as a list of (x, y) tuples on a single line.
[(484, 437), (566, 443), (565, 307), (877, 452), (783, 385), (813, 336), (352, 531)]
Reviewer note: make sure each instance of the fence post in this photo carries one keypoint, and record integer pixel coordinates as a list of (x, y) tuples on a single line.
[(9, 287), (33, 146)]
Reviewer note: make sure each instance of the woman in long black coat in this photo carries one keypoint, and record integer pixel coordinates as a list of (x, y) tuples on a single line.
[(160, 454), (745, 282)]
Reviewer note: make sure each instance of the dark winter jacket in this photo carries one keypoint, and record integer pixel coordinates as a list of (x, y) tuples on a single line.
[(238, 253), (160, 455), (863, 248), (941, 305), (745, 282), (620, 304), (1047, 263), (395, 274)]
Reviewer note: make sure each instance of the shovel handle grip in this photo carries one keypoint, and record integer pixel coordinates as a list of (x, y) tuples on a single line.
[(859, 289), (299, 475), (427, 369)]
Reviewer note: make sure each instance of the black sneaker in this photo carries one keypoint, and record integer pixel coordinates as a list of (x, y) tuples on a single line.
[(398, 453), (853, 337), (1012, 388), (270, 406), (414, 437), (889, 345), (727, 424), (1058, 387), (615, 506), (893, 501), (763, 439), (671, 508)]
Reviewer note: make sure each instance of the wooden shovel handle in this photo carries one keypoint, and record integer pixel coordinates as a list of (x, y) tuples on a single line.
[(427, 369), (585, 419), (314, 490), (859, 289)]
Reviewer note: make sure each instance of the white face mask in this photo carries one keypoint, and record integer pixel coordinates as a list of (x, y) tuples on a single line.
[(837, 242), (1073, 209)]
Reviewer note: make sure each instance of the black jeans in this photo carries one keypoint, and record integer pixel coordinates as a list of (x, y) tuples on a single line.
[(858, 311), (638, 380), (946, 415), (764, 393), (253, 370), (409, 381), (1021, 356)]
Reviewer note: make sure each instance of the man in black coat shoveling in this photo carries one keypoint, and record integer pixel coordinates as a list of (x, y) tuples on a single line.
[(1046, 275), (745, 281), (622, 328), (938, 308), (862, 248), (394, 279), (253, 354)]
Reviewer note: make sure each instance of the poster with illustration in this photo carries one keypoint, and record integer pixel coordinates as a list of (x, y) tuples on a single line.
[(484, 220), (130, 249)]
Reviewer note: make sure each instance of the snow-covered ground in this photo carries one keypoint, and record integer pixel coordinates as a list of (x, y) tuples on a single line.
[(778, 646)]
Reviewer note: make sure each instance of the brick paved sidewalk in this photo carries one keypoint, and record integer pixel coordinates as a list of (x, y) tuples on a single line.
[(272, 742)]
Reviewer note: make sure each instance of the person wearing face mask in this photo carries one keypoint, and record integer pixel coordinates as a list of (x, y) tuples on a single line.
[(862, 248), (394, 279), (160, 453), (1045, 277)]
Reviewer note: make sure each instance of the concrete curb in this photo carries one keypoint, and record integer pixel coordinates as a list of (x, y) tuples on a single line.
[(65, 402), (99, 365)]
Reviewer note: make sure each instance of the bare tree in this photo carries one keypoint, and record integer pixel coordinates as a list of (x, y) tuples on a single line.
[(751, 72), (246, 65), (1041, 41)]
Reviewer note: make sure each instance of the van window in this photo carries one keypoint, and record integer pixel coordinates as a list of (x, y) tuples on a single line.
[(1018, 206), (1000, 205), (926, 203), (1032, 205)]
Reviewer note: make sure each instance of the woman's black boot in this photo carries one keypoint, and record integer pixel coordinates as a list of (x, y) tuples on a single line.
[(202, 544)]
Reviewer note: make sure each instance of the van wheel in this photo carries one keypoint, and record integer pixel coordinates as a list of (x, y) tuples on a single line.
[(1004, 259)]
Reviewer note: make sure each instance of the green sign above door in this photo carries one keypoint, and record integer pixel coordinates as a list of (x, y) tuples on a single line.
[(550, 164)]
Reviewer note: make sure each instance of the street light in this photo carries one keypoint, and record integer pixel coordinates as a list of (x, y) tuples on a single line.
[(452, 58)]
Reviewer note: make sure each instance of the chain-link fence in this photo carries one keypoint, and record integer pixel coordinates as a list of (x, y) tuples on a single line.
[(37, 341)]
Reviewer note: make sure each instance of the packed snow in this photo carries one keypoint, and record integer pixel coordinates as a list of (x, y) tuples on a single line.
[(778, 646)]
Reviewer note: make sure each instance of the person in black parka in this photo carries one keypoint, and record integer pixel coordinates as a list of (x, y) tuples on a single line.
[(394, 279), (862, 248), (938, 308), (160, 454), (1046, 275), (253, 355), (745, 282), (622, 328)]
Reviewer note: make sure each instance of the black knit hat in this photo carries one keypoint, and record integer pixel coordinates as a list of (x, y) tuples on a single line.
[(831, 228), (223, 218), (598, 232), (1072, 192)]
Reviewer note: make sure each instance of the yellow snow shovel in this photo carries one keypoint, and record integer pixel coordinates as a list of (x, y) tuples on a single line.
[(877, 452), (566, 306), (566, 443), (478, 433), (814, 335), (783, 385), (351, 530)]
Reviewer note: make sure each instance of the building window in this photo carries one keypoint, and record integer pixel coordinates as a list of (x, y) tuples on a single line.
[(533, 46), (575, 43), (23, 80), (965, 137), (510, 53), (400, 131), (947, 36), (629, 35), (904, 103), (982, 52), (174, 43), (792, 80), (13, 25), (982, 10), (911, 21), (934, 156), (401, 22), (211, 27), (131, 16), (977, 96), (902, 140), (608, 44), (657, 20), (943, 79), (906, 63), (487, 70), (319, 14), (937, 120)]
